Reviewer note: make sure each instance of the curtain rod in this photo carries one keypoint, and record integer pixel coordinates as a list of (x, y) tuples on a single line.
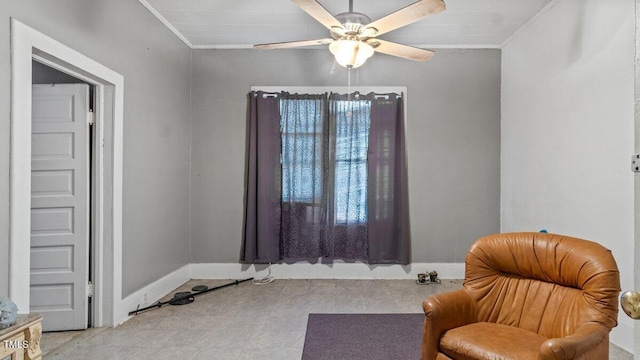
[(378, 96), (265, 94), (388, 96), (357, 95)]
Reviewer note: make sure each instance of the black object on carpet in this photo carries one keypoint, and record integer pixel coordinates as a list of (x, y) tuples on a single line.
[(363, 336)]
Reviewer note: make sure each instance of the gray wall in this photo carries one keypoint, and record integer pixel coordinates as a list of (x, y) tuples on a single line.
[(453, 141), (124, 36)]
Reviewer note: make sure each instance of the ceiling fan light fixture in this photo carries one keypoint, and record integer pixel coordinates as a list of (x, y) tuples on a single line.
[(353, 36), (351, 53)]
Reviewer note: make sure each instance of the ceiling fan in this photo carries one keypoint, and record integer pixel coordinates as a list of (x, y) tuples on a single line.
[(354, 36)]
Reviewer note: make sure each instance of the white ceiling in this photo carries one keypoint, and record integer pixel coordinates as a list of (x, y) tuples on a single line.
[(243, 23)]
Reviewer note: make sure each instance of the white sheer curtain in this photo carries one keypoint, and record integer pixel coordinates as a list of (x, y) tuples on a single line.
[(349, 121), (303, 123)]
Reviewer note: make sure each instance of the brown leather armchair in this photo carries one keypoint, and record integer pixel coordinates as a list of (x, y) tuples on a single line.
[(526, 296)]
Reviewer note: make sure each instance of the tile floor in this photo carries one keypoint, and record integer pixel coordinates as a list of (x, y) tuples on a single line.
[(244, 321)]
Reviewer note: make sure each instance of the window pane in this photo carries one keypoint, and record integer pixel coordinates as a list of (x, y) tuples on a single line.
[(301, 169), (301, 116), (353, 119), (302, 151)]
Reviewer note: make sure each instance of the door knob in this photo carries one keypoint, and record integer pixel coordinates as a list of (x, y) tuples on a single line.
[(630, 301)]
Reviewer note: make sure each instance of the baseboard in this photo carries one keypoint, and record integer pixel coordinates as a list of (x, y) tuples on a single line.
[(151, 293), (325, 271), (156, 290)]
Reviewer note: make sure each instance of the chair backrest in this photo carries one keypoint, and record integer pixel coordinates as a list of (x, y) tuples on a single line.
[(545, 283)]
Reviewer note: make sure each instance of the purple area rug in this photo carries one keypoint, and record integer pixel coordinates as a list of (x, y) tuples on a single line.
[(363, 336)]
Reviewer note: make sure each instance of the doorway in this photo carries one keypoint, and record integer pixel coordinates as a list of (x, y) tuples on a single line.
[(27, 45)]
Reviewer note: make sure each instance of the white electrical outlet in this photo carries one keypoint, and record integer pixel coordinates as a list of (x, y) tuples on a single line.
[(144, 298)]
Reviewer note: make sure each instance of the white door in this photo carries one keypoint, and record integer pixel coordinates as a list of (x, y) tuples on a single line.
[(60, 205)]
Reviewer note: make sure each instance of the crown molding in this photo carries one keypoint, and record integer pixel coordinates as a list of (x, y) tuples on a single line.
[(166, 23)]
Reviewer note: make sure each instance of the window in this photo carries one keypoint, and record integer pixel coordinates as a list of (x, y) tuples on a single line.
[(326, 176), (346, 129)]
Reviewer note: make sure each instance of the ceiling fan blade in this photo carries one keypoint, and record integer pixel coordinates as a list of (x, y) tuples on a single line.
[(318, 12), (292, 44), (407, 15), (400, 50)]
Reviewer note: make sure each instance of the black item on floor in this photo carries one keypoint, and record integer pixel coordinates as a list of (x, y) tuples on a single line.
[(199, 288), (182, 298), (188, 295)]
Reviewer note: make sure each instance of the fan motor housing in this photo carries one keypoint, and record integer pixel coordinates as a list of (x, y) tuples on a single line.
[(352, 22)]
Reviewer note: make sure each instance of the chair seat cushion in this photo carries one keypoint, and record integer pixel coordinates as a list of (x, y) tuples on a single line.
[(491, 341)]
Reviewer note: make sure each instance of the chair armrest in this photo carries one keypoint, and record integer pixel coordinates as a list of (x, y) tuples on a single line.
[(573, 346), (444, 312)]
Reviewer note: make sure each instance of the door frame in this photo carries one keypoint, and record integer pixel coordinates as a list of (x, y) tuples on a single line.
[(28, 44)]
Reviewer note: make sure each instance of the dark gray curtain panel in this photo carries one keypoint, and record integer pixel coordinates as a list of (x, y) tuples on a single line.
[(261, 232), (388, 195)]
